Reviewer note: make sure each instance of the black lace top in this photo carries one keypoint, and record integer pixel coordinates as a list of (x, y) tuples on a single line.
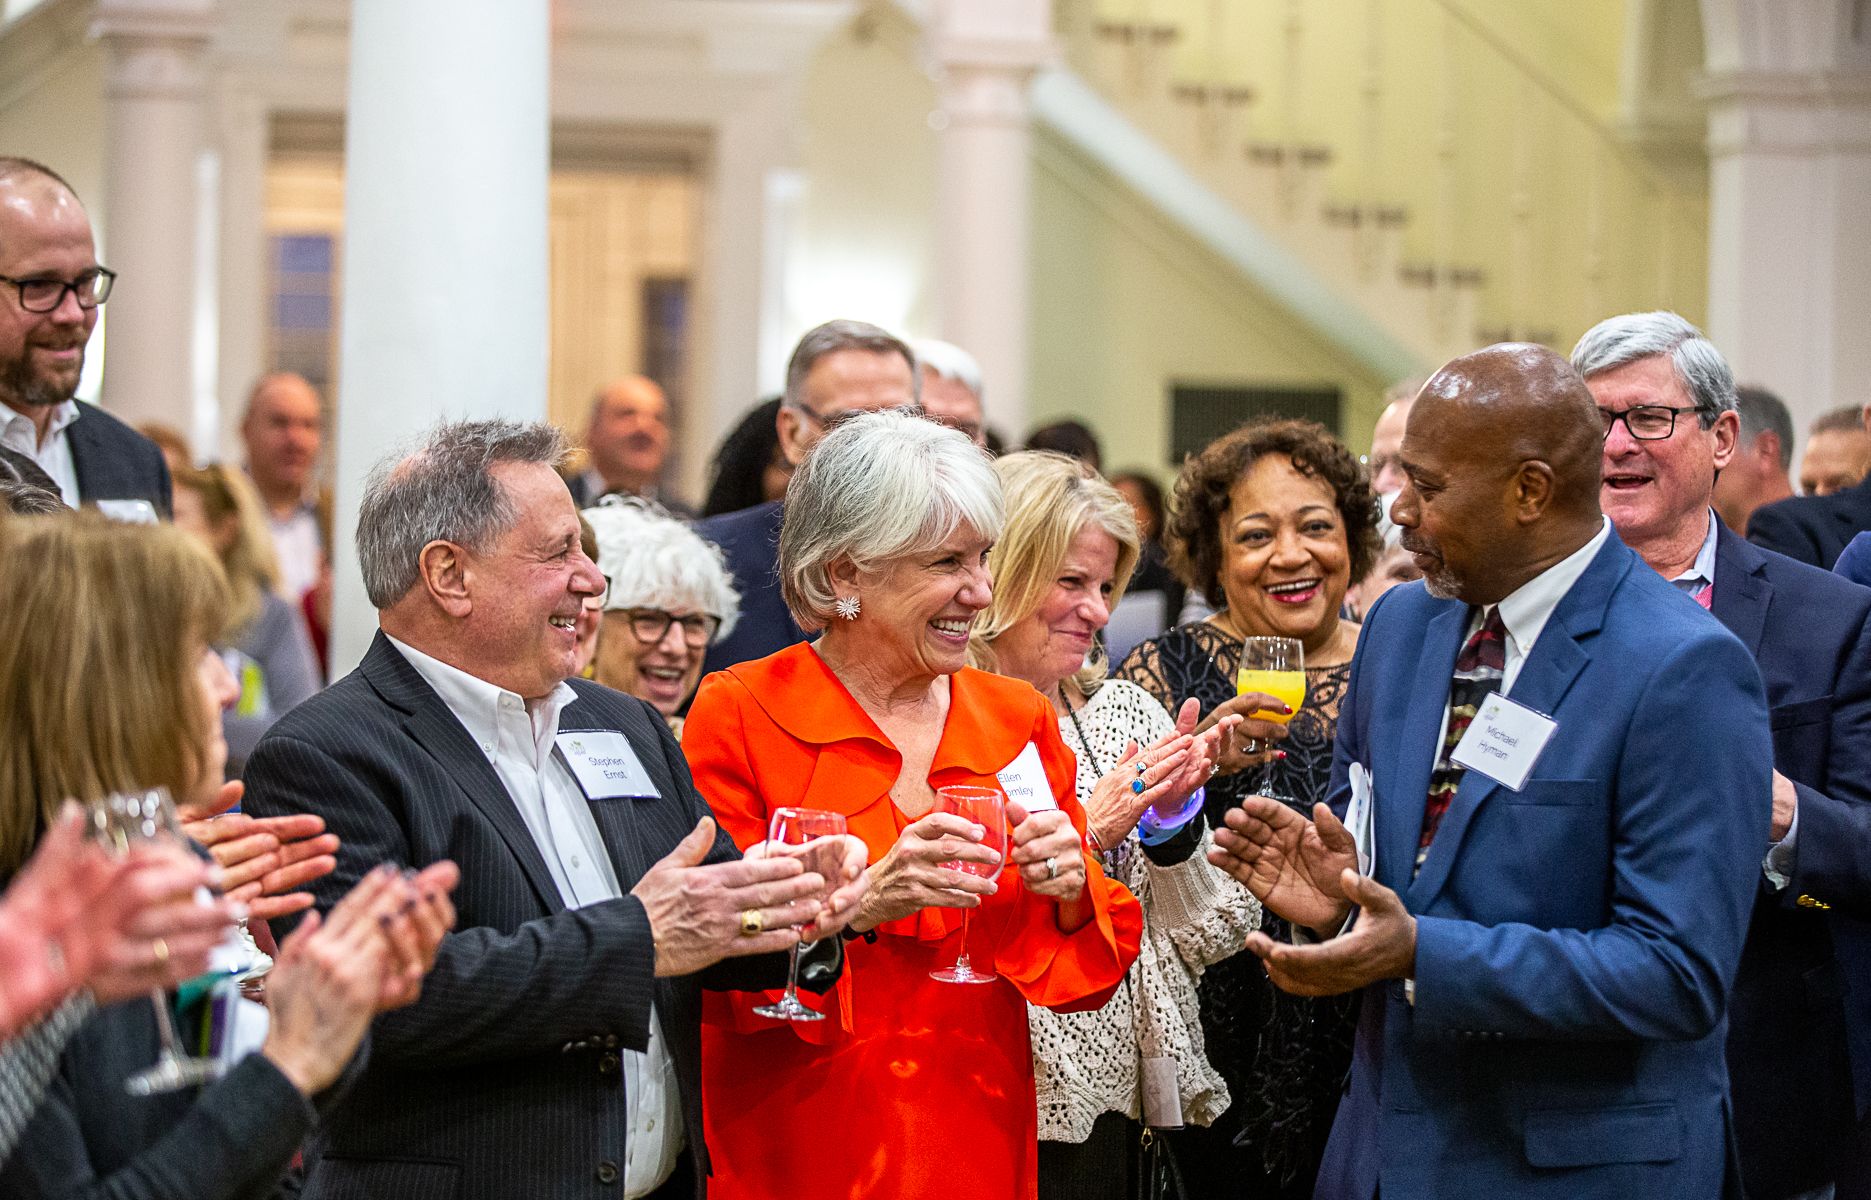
[(1285, 1057)]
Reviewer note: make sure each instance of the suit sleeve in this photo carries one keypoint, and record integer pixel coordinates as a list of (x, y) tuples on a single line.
[(491, 995), (1688, 830), (1776, 528), (1066, 972), (1833, 861)]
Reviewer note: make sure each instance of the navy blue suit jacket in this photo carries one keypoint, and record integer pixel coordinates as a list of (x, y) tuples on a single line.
[(1577, 939), (750, 540), (115, 462), (1799, 1038), (1813, 529)]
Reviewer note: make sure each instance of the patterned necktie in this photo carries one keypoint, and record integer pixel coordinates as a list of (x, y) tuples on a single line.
[(1477, 676)]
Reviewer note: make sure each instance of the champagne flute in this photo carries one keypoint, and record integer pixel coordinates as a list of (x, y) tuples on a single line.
[(1275, 666), (815, 837), (986, 807), (120, 821)]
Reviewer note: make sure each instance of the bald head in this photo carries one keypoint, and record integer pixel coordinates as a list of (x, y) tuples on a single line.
[(283, 431), (44, 235), (1501, 453), (628, 438)]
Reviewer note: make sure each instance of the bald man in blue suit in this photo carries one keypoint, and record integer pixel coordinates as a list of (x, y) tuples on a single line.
[(1547, 936)]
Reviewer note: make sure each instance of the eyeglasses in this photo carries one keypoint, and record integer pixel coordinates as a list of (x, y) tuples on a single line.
[(651, 625), (91, 288), (1645, 422), (831, 421)]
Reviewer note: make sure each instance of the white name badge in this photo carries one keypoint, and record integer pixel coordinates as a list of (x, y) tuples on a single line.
[(1360, 812), (1024, 781), (605, 764), (1504, 741)]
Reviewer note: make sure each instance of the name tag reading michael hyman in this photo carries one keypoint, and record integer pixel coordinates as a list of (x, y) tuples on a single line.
[(605, 764)]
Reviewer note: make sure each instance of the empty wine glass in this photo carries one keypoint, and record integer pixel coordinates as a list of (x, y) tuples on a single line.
[(816, 838), (119, 822), (986, 807)]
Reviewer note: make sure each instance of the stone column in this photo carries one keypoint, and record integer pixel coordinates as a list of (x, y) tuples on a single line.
[(444, 305), (156, 53), (986, 53), (1789, 91)]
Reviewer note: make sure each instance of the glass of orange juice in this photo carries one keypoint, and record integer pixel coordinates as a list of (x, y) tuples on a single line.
[(1275, 666)]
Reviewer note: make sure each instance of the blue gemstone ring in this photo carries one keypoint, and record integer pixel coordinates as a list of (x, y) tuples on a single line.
[(1136, 785)]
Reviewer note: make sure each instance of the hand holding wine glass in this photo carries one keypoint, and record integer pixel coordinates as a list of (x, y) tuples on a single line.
[(919, 871), (817, 839)]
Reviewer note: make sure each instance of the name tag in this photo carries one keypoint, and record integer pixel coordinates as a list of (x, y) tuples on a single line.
[(605, 764), (1024, 781), (129, 512), (1359, 814), (1504, 741)]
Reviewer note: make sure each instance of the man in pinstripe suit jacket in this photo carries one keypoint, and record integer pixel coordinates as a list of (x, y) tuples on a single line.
[(555, 1051)]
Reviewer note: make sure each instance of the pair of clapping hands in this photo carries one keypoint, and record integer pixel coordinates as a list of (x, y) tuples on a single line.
[(1170, 768), (1307, 872)]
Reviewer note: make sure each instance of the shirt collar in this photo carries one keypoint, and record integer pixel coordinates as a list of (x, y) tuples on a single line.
[(1701, 573), (62, 415), (1526, 611), (476, 703)]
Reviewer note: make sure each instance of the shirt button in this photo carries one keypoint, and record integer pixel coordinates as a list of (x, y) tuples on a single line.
[(576, 865), (607, 1172)]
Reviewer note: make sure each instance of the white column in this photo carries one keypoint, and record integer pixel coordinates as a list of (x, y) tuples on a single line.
[(1789, 90), (444, 306), (986, 53), (154, 91)]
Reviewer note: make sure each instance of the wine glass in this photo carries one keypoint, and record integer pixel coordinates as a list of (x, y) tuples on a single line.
[(815, 837), (120, 821), (986, 807), (1277, 667)]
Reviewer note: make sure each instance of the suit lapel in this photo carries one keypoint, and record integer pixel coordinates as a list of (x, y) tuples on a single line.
[(1404, 796), (436, 730), (88, 463), (1545, 677), (1742, 592)]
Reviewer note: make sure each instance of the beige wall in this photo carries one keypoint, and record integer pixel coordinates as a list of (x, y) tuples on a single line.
[(1124, 304)]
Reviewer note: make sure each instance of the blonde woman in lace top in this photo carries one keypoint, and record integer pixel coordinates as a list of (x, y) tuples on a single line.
[(1270, 524), (1067, 551)]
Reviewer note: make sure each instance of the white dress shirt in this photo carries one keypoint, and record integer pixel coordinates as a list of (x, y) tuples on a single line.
[(519, 739), (54, 454), (299, 549)]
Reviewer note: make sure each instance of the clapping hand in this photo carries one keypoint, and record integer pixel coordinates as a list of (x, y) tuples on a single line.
[(702, 912), (266, 859), (850, 888), (1382, 945), (1290, 864)]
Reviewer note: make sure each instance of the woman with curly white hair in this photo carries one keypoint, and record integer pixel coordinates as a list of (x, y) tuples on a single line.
[(668, 598)]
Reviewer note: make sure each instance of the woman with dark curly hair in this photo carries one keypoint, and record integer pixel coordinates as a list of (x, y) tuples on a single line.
[(1271, 523), (748, 467)]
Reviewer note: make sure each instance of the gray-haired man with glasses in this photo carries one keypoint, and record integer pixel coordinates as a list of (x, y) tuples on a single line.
[(1799, 1020), (838, 370), (51, 286)]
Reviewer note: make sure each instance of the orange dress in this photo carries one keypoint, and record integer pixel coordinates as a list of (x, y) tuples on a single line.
[(910, 1088)]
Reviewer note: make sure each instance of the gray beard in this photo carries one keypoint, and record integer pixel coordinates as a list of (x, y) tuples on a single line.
[(20, 388), (1443, 585)]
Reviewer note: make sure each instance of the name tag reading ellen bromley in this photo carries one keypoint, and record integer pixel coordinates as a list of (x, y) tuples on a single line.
[(605, 764), (1504, 741), (1024, 781)]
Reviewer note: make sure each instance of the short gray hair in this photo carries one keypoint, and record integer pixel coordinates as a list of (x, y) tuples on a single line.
[(653, 560), (1618, 341), (950, 362), (443, 491), (879, 486), (1763, 412), (834, 336)]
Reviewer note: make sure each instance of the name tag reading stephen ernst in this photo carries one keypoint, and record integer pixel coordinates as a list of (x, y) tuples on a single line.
[(605, 764)]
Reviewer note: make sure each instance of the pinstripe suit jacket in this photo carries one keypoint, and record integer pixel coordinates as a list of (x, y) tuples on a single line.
[(502, 1081)]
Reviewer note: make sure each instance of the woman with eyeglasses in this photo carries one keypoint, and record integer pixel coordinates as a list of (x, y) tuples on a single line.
[(668, 598)]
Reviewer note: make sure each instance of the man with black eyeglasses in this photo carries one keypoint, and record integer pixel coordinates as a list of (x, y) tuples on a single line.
[(51, 287), (837, 370), (1799, 1040)]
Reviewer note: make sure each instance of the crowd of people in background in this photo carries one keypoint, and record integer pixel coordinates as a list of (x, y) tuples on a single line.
[(1228, 942)]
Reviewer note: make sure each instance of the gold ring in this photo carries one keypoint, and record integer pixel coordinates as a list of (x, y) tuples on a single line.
[(752, 923), (161, 950)]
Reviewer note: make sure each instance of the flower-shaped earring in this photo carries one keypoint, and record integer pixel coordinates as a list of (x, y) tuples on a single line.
[(847, 607)]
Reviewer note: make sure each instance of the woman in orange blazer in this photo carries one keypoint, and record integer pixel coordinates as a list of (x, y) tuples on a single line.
[(910, 1088)]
